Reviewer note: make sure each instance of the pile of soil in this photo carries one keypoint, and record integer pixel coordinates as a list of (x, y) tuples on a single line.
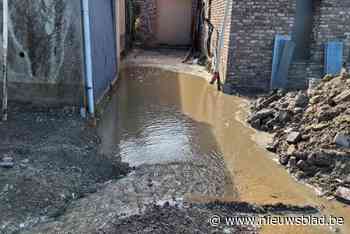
[(200, 218), (311, 133), (48, 158), (178, 216)]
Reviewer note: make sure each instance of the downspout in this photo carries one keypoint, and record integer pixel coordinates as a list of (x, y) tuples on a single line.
[(88, 57), (116, 9), (5, 46)]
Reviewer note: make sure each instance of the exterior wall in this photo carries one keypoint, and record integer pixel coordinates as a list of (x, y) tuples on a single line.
[(45, 51), (255, 23), (253, 28), (332, 23)]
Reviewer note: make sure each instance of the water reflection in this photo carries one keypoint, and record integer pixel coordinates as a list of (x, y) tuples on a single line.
[(160, 117)]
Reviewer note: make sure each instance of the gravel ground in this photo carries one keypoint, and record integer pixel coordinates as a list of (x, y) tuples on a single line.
[(53, 161)]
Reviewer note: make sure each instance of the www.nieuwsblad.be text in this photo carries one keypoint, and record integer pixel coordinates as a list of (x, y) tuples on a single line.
[(303, 220)]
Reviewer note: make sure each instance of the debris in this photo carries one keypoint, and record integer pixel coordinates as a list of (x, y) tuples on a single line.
[(344, 96), (327, 78), (284, 116), (302, 165), (25, 161), (301, 100), (292, 162), (7, 159), (265, 102), (260, 115), (271, 147), (7, 162), (293, 137), (291, 150), (343, 193), (315, 99), (342, 140), (319, 159), (284, 159), (311, 131)]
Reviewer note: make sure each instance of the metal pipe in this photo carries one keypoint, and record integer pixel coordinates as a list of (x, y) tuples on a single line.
[(88, 57), (5, 46)]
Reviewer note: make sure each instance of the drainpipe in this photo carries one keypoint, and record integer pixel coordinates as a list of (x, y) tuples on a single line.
[(5, 46), (88, 57)]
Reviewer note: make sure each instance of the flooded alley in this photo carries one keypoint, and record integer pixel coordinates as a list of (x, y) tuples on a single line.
[(164, 119), (191, 155), (162, 116)]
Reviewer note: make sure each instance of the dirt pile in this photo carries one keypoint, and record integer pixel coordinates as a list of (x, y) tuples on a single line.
[(48, 158), (202, 218), (311, 133)]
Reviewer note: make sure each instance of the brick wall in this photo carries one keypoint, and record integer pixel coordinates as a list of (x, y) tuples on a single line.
[(246, 59), (254, 26), (331, 22)]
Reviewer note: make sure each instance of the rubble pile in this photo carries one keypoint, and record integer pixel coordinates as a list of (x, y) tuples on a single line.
[(311, 133)]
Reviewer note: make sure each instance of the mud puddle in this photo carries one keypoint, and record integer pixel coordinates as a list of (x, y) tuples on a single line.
[(192, 157), (163, 118), (188, 146)]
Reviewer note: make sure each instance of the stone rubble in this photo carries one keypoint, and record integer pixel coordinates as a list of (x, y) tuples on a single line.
[(342, 140), (343, 193), (311, 133), (7, 162)]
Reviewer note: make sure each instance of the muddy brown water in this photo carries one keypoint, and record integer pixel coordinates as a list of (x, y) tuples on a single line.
[(160, 117)]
